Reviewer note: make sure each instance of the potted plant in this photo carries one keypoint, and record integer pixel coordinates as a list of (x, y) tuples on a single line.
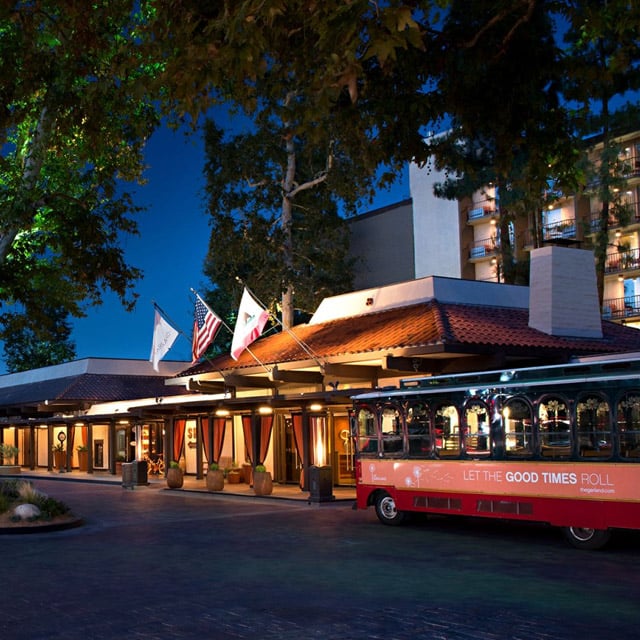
[(233, 473), (175, 478), (262, 482), (8, 455), (83, 457), (215, 478), (119, 460), (59, 456)]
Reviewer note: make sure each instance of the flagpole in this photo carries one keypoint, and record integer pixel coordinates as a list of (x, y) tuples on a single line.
[(173, 324), (306, 348), (230, 330)]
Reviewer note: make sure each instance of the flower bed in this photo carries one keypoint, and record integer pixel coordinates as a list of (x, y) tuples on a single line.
[(43, 512)]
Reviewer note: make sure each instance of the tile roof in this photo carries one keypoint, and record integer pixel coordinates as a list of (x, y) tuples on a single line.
[(86, 388), (470, 328)]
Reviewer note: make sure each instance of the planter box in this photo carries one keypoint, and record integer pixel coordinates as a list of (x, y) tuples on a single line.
[(9, 470)]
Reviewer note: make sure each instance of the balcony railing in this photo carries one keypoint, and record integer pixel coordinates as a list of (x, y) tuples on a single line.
[(613, 221), (484, 248), (480, 212), (563, 230), (625, 260), (621, 308)]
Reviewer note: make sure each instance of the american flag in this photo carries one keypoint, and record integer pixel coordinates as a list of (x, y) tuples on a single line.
[(205, 326)]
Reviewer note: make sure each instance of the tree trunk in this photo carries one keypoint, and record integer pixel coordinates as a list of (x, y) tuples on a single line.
[(23, 208), (286, 223)]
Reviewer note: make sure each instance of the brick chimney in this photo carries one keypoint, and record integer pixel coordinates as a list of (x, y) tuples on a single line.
[(563, 294)]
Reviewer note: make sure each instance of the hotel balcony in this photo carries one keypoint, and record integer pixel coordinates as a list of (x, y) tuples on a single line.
[(563, 230), (623, 261), (621, 308), (482, 214), (483, 249), (631, 218)]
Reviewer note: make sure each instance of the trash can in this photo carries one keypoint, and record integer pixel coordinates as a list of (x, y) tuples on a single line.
[(134, 474), (321, 484)]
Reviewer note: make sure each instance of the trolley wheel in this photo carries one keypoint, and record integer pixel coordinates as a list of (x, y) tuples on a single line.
[(589, 539), (387, 511)]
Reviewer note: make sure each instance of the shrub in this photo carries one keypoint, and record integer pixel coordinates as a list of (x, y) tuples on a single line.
[(5, 503)]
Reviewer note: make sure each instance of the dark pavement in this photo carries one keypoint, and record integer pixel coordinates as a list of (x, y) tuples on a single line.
[(154, 563)]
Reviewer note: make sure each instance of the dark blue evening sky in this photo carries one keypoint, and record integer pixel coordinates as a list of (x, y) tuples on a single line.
[(173, 241)]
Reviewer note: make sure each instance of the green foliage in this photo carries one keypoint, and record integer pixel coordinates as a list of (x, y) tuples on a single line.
[(174, 465), (73, 123), (27, 346), (5, 503), (260, 468), (8, 451), (14, 492), (9, 488), (51, 508), (214, 466)]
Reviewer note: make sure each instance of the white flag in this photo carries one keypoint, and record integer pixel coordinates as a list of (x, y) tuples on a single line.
[(164, 335), (249, 325)]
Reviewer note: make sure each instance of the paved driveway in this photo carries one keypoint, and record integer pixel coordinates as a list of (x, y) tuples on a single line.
[(153, 563)]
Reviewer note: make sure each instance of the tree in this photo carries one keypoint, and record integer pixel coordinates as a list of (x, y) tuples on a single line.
[(73, 122), (603, 64), (26, 348), (500, 83), (268, 236), (308, 155)]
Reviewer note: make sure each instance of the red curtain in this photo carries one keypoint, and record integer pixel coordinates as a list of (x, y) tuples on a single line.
[(296, 419), (219, 428), (179, 426), (265, 425), (266, 422), (248, 436), (206, 438)]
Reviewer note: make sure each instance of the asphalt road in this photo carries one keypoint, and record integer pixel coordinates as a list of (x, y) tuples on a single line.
[(154, 563)]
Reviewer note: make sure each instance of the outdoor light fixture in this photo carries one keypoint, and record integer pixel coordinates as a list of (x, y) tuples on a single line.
[(222, 413), (265, 411), (315, 407)]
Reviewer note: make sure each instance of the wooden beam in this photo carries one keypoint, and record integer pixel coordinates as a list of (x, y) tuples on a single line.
[(300, 377), (351, 371), (412, 365), (250, 382), (206, 386)]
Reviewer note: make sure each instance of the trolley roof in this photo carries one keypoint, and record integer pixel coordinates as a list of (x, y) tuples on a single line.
[(605, 370)]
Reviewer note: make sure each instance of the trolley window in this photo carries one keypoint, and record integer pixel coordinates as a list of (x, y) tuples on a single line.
[(366, 436), (517, 415), (447, 430), (629, 426), (476, 434), (555, 427), (391, 428), (593, 427), (418, 430)]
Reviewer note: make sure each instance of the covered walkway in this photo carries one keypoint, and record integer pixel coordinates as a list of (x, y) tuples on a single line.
[(191, 484)]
